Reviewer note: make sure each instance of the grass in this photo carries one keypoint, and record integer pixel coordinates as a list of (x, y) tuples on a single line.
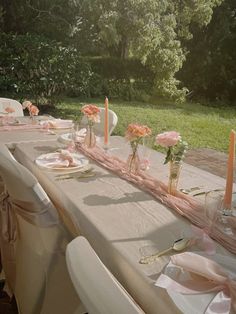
[(201, 126)]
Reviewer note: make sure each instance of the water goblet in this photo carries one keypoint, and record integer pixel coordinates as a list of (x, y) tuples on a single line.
[(145, 153), (213, 206), (216, 213)]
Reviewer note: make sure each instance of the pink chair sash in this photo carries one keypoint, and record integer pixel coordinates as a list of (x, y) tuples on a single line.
[(39, 214), (205, 276)]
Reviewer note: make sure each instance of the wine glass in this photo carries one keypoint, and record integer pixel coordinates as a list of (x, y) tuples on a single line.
[(213, 206), (145, 153), (215, 211)]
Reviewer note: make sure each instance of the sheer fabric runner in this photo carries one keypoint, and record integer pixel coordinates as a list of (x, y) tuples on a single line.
[(185, 205)]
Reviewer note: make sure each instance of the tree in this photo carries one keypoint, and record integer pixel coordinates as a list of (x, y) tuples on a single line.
[(152, 30), (210, 68)]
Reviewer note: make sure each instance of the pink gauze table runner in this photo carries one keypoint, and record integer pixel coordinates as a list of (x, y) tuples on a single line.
[(20, 127), (185, 205)]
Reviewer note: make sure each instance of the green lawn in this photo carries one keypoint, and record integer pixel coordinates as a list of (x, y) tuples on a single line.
[(200, 126)]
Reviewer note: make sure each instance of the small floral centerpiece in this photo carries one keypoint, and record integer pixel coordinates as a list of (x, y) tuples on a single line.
[(134, 134), (176, 149), (92, 114), (33, 110)]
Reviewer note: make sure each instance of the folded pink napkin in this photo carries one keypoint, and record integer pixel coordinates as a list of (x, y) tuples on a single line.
[(200, 275), (60, 159), (57, 124)]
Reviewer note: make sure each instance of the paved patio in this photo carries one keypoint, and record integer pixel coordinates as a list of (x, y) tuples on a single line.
[(209, 160)]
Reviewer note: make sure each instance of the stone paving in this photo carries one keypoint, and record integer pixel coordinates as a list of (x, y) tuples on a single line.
[(209, 160)]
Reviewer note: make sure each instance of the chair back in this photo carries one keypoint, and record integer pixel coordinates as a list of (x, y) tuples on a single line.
[(97, 288), (99, 127), (40, 280), (11, 103)]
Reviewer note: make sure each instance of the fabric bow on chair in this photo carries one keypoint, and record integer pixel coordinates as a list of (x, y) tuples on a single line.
[(43, 217)]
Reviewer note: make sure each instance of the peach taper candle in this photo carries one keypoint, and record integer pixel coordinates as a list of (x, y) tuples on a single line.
[(106, 123), (230, 172)]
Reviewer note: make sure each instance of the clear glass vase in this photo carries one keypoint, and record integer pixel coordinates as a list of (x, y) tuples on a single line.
[(133, 162), (33, 119), (175, 168), (90, 138)]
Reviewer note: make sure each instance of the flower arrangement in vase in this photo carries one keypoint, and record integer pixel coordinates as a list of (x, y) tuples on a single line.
[(134, 134), (92, 114), (176, 149), (33, 110)]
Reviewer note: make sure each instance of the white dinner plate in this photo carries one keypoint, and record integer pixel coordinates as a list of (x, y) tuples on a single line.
[(197, 304), (81, 161), (58, 124), (66, 138)]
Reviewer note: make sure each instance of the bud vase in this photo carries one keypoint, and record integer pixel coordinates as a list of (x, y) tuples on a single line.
[(133, 162), (33, 119), (175, 168), (90, 138)]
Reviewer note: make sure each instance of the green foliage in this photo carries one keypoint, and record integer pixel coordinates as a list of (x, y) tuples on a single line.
[(152, 31), (199, 125), (117, 78), (210, 68), (33, 66)]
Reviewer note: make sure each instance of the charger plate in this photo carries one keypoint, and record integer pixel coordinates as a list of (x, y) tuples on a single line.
[(81, 161)]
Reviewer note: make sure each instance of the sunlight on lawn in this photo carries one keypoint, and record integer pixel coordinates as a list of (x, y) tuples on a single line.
[(200, 126)]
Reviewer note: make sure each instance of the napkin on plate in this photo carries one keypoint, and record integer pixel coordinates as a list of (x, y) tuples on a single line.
[(60, 159), (57, 124), (192, 274)]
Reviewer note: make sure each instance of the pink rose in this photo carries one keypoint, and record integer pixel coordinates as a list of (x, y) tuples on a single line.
[(168, 139)]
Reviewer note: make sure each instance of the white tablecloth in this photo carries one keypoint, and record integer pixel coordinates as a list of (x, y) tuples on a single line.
[(118, 219)]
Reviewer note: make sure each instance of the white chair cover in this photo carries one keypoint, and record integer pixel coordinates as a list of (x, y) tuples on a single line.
[(33, 244), (97, 288), (99, 127), (14, 104)]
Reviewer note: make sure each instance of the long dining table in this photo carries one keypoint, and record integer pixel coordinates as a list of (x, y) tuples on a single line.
[(119, 219)]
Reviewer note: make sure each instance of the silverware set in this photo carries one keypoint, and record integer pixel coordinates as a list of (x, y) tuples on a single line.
[(76, 175)]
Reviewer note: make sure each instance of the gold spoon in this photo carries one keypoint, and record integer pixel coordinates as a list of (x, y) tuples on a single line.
[(178, 245)]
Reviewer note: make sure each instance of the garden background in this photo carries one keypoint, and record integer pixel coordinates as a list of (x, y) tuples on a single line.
[(168, 64)]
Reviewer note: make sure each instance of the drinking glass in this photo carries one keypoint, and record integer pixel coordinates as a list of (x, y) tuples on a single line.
[(215, 212), (145, 153), (213, 206)]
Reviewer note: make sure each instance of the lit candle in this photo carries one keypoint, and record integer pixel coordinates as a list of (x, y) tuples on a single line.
[(230, 172), (106, 123)]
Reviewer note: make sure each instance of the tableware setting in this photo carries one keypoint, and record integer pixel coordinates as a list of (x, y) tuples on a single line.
[(199, 284), (62, 160), (85, 172), (76, 136), (57, 124)]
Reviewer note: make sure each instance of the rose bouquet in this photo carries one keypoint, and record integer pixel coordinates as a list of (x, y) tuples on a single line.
[(33, 110), (134, 134), (92, 114), (176, 149)]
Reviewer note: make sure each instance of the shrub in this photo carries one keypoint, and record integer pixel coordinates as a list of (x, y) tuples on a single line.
[(32, 66)]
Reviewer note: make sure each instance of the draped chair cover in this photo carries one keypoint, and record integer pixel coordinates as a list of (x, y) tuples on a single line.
[(33, 243), (14, 104), (98, 289)]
